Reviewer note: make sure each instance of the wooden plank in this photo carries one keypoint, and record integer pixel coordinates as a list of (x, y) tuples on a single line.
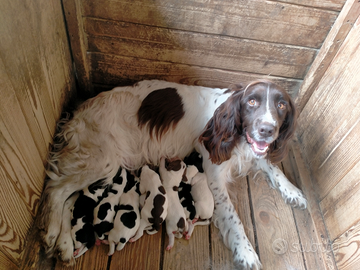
[(340, 206), (306, 225), (189, 254), (15, 220), (329, 49), (6, 263), (34, 257), (120, 70), (324, 4), (257, 20), (74, 23), (94, 258), (221, 256), (160, 44), (319, 232), (275, 228), (346, 249), (145, 253), (330, 138)]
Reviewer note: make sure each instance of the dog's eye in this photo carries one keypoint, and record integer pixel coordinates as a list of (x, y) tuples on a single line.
[(252, 102), (281, 106)]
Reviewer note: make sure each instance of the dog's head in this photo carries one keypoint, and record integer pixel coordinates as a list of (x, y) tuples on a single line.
[(260, 111)]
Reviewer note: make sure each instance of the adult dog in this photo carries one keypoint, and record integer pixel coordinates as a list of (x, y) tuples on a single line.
[(241, 128)]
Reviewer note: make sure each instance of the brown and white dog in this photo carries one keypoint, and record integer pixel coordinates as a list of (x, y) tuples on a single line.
[(242, 128)]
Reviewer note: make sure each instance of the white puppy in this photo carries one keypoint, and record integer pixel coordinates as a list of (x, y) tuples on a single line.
[(127, 219), (171, 174), (155, 206)]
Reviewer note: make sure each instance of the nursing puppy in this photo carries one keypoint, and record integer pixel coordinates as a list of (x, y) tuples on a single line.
[(105, 211), (127, 219), (155, 207), (82, 229), (171, 174)]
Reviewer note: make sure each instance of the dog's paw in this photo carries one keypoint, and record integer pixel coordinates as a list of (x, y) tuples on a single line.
[(293, 196), (245, 258), (64, 251)]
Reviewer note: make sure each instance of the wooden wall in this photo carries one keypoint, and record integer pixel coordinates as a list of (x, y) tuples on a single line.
[(35, 78), (204, 42), (329, 133)]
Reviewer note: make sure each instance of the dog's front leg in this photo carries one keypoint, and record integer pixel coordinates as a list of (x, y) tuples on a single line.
[(291, 194), (226, 218)]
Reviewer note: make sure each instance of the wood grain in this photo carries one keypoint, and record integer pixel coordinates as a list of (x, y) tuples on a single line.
[(346, 249), (169, 45), (120, 70), (307, 226), (325, 4), (330, 138), (275, 225), (257, 20), (319, 232), (36, 79), (94, 258), (340, 206), (78, 41), (189, 254), (329, 49), (145, 253), (6, 263)]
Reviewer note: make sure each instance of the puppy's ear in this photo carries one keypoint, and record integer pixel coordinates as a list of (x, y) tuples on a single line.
[(224, 129)]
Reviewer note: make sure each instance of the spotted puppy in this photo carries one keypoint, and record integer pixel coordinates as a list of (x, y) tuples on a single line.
[(155, 208), (186, 199), (203, 198), (171, 173), (82, 230), (105, 211), (127, 219)]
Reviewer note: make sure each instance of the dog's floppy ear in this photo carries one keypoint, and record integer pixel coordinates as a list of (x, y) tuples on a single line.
[(279, 148), (224, 129)]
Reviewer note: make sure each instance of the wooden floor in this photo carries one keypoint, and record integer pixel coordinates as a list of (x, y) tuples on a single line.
[(284, 238)]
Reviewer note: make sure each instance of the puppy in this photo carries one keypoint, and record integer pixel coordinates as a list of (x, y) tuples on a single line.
[(186, 199), (155, 207), (127, 219), (105, 211), (171, 173), (203, 198), (82, 230)]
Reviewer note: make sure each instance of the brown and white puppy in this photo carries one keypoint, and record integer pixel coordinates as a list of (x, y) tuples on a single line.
[(171, 173), (105, 211), (127, 219), (82, 215), (155, 208)]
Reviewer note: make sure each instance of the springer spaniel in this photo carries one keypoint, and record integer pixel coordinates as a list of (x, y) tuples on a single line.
[(242, 128)]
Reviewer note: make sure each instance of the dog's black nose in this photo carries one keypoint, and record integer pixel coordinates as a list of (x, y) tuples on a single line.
[(266, 129)]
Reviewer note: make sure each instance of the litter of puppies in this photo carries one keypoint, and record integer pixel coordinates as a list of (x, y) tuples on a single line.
[(175, 193)]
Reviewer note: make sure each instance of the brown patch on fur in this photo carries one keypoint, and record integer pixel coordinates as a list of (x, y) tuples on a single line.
[(162, 189), (161, 109), (174, 165), (181, 223), (175, 188)]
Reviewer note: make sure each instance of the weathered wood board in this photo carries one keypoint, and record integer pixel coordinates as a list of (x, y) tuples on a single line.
[(36, 77)]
